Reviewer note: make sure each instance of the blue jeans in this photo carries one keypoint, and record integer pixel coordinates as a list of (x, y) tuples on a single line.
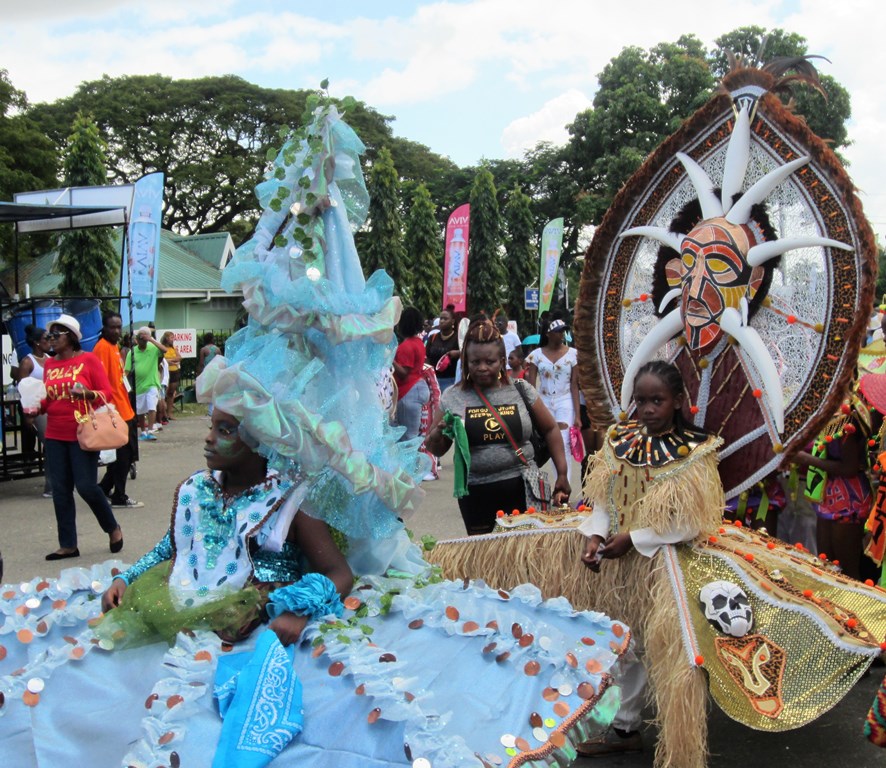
[(409, 408), (70, 467)]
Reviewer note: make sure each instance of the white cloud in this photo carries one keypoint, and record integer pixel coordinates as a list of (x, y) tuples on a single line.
[(546, 124)]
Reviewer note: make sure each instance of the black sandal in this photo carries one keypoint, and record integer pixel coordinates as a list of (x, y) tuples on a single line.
[(116, 546)]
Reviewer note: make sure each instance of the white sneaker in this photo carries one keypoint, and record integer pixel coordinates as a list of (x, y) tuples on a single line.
[(428, 477)]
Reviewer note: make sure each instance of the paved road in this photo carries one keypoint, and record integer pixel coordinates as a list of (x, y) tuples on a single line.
[(27, 533)]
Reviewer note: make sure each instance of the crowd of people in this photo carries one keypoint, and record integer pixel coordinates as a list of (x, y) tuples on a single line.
[(298, 522), (139, 379)]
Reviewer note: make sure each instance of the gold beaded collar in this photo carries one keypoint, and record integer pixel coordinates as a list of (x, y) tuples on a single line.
[(630, 443)]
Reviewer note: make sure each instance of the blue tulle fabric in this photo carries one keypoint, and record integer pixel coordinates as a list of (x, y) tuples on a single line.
[(301, 376), (314, 595)]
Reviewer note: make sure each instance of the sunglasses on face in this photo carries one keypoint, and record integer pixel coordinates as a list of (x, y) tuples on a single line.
[(55, 334)]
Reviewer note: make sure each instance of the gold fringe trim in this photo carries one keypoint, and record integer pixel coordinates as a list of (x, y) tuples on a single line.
[(679, 689), (688, 493)]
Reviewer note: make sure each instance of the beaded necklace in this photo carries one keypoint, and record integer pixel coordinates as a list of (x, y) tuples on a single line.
[(219, 512)]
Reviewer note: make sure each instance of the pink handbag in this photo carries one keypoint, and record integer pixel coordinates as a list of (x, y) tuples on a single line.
[(576, 444), (102, 428)]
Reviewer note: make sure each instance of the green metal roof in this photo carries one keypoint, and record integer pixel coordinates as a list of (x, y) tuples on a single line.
[(182, 270), (214, 248)]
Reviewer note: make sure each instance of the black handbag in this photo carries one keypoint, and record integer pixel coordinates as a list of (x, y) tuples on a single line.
[(542, 453)]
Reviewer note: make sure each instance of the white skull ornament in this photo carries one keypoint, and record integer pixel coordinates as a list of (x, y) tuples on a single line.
[(727, 607)]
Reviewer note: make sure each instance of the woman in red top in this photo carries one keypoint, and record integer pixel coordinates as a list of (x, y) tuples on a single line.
[(73, 377), (412, 389)]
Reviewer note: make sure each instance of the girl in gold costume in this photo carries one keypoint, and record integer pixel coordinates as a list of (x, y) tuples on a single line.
[(654, 483)]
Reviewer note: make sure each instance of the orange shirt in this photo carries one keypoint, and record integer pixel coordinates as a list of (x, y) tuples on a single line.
[(109, 356)]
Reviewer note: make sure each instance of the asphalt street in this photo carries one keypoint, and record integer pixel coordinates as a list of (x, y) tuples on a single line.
[(27, 534)]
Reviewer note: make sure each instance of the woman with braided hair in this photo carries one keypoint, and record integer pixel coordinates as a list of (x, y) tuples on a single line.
[(495, 478)]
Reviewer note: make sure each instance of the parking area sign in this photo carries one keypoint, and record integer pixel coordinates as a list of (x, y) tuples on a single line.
[(530, 298)]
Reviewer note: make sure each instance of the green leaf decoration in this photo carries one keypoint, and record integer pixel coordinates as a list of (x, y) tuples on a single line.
[(276, 204), (281, 241), (270, 154), (280, 173), (303, 218)]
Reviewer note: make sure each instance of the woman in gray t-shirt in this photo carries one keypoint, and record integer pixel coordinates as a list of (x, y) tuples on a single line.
[(495, 480)]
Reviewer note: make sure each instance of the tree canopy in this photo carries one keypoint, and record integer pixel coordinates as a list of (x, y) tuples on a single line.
[(210, 136), (87, 259)]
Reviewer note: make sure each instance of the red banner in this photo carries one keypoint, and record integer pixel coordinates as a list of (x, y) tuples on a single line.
[(455, 266)]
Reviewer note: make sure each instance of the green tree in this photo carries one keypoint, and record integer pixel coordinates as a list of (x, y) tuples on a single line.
[(643, 97), (521, 255), (826, 115), (383, 245), (210, 136), (28, 159), (87, 258), (425, 253), (486, 273)]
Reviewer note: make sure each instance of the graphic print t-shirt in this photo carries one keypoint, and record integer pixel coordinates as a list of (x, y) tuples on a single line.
[(492, 456)]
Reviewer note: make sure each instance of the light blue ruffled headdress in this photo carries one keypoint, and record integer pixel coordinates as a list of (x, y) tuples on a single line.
[(302, 375)]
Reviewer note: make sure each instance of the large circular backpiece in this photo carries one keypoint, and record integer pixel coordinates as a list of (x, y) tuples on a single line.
[(775, 367)]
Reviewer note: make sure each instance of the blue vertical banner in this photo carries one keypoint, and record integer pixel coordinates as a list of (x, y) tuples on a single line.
[(141, 257)]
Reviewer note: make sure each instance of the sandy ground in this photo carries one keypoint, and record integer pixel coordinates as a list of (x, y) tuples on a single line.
[(27, 534)]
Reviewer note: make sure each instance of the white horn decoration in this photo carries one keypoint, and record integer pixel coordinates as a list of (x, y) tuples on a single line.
[(750, 341), (761, 253), (711, 207), (741, 211), (665, 237), (737, 154), (660, 334), (668, 298)]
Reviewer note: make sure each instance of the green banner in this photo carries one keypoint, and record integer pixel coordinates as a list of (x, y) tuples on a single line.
[(551, 246)]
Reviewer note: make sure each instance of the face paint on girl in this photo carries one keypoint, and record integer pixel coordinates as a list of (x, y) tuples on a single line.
[(224, 448)]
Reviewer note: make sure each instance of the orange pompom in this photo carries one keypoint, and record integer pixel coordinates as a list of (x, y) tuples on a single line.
[(807, 593), (852, 623), (693, 409), (770, 545), (749, 557), (792, 319), (869, 582), (530, 510), (712, 539), (871, 443), (500, 513), (883, 646), (699, 661), (845, 409), (515, 511), (758, 393), (849, 429), (737, 523), (798, 546), (644, 296), (722, 530), (581, 508), (822, 556)]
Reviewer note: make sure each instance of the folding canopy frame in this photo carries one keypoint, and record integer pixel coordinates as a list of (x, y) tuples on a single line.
[(28, 215)]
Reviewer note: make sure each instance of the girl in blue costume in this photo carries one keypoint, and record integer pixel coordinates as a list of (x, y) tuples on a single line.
[(407, 669)]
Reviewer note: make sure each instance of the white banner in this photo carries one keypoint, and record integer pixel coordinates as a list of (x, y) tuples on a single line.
[(183, 339)]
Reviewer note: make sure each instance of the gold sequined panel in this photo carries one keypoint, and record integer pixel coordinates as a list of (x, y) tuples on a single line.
[(814, 634)]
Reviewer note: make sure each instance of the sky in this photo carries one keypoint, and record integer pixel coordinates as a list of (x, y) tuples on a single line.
[(470, 79)]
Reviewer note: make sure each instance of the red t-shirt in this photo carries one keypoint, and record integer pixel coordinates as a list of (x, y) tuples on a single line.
[(410, 354), (109, 356), (59, 376)]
